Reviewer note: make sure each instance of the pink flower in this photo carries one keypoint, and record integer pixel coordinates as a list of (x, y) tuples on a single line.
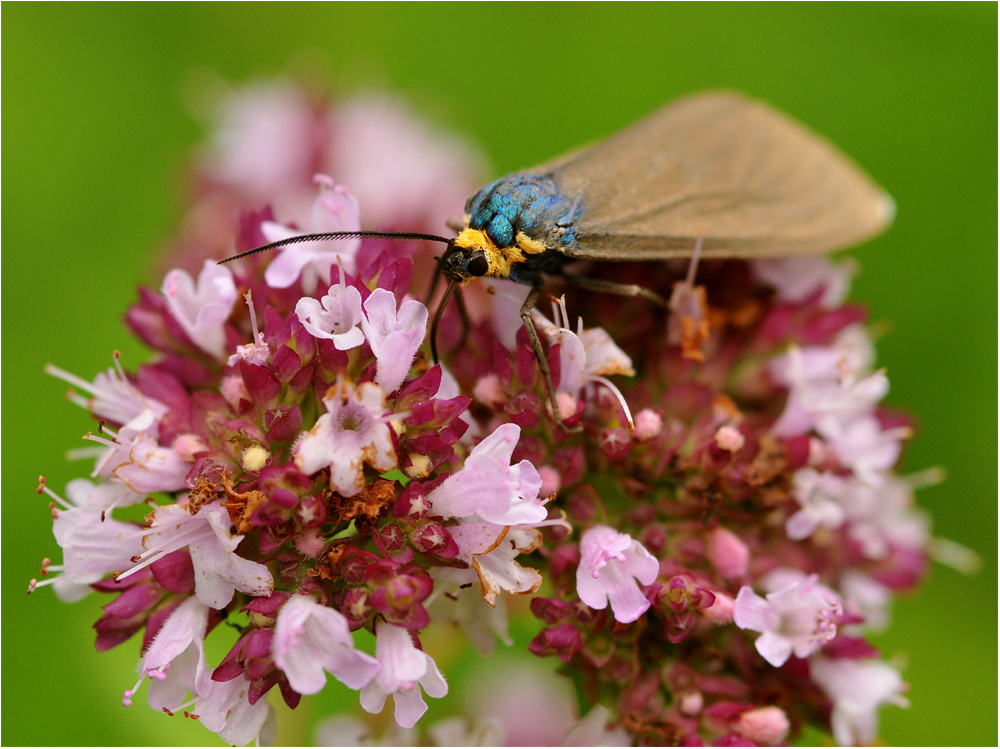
[(335, 316), (310, 638), (884, 516), (227, 711), (202, 309), (93, 545), (611, 563), (862, 445), (264, 140), (403, 669), (404, 173), (489, 487), (585, 356), (218, 570), (394, 338), (152, 468), (799, 617), (857, 689), (354, 431), (490, 550), (821, 389), (113, 397), (797, 279), (175, 660), (335, 209), (257, 352), (648, 424), (819, 495)]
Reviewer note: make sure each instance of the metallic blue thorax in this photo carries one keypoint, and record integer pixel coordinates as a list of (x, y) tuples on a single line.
[(524, 203)]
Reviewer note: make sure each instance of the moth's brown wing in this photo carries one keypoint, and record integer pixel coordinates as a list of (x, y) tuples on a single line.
[(749, 180)]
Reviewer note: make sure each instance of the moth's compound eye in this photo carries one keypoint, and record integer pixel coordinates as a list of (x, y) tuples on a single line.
[(478, 265)]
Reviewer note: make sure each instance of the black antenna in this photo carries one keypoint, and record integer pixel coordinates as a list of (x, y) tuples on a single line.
[(398, 235), (437, 317)]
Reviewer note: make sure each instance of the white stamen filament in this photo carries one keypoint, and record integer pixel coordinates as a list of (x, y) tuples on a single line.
[(172, 544), (618, 394)]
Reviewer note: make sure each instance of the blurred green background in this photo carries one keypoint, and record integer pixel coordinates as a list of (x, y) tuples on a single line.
[(95, 145)]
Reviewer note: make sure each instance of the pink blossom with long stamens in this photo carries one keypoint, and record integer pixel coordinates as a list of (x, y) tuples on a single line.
[(175, 660), (218, 570), (586, 357), (612, 565), (226, 710), (113, 397), (93, 545)]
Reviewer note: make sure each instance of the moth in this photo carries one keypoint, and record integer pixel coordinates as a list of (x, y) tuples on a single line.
[(715, 175)]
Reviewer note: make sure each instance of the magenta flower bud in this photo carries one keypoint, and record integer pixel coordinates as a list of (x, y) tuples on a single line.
[(434, 539), (727, 553), (354, 564), (284, 485), (565, 641), (524, 408), (262, 386), (551, 610), (134, 601), (411, 504), (615, 443), (311, 511), (390, 539), (356, 606), (285, 364), (267, 605), (283, 423)]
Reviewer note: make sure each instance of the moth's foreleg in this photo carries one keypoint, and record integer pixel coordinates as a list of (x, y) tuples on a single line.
[(543, 362)]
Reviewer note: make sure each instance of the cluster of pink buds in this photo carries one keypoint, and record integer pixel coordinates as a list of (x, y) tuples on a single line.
[(707, 541)]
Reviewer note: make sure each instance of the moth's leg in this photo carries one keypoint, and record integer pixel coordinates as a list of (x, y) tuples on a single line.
[(456, 225), (543, 362), (612, 287), (437, 274), (463, 312)]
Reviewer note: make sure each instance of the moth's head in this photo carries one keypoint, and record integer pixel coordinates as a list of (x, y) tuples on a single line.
[(470, 256)]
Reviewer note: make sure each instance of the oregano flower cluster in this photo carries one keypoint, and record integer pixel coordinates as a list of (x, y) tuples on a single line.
[(706, 541)]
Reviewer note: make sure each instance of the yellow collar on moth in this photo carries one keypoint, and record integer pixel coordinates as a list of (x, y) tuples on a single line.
[(500, 260)]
